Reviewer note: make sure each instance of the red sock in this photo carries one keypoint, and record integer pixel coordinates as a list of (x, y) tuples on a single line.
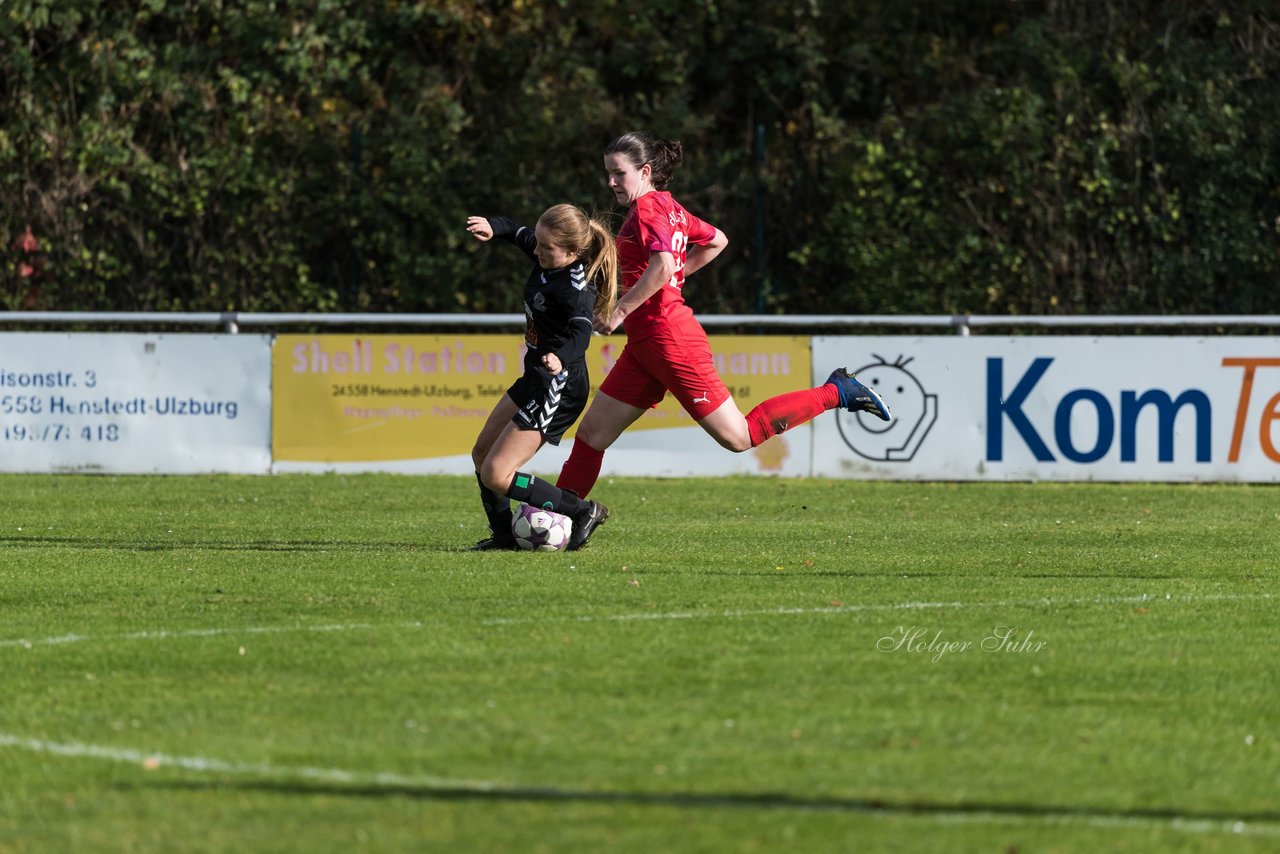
[(582, 469), (792, 409)]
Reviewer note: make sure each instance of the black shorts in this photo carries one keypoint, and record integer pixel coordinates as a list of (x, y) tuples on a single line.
[(550, 403)]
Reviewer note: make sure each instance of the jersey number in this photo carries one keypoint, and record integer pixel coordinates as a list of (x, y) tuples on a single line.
[(679, 244)]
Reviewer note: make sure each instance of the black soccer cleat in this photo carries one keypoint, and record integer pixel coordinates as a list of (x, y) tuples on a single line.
[(584, 524), (494, 544)]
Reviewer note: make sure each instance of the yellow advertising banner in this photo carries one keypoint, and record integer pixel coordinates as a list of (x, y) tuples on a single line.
[(347, 398)]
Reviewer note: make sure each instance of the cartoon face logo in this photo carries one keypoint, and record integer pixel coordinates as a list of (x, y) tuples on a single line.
[(914, 412)]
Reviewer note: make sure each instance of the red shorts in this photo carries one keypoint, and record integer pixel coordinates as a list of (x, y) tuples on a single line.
[(675, 357)]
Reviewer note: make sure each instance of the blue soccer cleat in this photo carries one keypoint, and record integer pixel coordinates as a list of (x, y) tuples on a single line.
[(856, 397)]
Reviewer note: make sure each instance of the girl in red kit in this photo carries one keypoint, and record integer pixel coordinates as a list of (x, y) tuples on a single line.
[(659, 244)]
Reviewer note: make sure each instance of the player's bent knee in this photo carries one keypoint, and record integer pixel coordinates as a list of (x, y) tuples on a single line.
[(737, 444), (497, 479), (731, 438), (583, 433), (587, 435)]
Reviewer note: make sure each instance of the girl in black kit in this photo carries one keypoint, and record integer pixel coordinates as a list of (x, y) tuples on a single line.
[(574, 279)]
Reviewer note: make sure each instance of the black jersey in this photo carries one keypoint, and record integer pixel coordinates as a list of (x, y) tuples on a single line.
[(558, 304)]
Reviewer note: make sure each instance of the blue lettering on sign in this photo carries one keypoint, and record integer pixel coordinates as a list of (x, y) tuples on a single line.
[(1131, 403), (1000, 407), (1062, 426)]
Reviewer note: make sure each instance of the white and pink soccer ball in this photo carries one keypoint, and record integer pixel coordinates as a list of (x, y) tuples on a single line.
[(538, 530)]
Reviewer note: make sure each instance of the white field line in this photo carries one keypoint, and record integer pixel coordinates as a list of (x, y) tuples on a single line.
[(152, 761), (173, 634), (894, 606), (644, 616)]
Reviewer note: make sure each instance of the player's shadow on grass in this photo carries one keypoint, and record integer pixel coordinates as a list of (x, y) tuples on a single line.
[(720, 800), (159, 545)]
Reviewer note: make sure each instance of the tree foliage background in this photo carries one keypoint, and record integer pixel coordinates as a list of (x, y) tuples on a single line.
[(864, 156)]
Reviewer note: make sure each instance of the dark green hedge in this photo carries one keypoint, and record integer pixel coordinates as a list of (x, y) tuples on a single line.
[(1114, 156)]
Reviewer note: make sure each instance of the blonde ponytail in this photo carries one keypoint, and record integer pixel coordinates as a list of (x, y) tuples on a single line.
[(604, 268)]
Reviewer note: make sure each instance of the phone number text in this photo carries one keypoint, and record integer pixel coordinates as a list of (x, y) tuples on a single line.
[(59, 433)]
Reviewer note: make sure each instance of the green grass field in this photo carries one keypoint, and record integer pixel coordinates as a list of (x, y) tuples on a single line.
[(315, 663)]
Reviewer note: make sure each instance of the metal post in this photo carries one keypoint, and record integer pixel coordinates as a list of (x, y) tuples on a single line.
[(762, 275)]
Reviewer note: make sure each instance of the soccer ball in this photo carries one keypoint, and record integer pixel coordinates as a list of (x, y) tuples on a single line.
[(540, 530)]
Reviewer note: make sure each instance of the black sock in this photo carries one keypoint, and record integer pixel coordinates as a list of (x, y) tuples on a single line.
[(498, 510), (541, 493)]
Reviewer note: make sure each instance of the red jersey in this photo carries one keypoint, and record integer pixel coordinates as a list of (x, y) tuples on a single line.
[(657, 223)]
